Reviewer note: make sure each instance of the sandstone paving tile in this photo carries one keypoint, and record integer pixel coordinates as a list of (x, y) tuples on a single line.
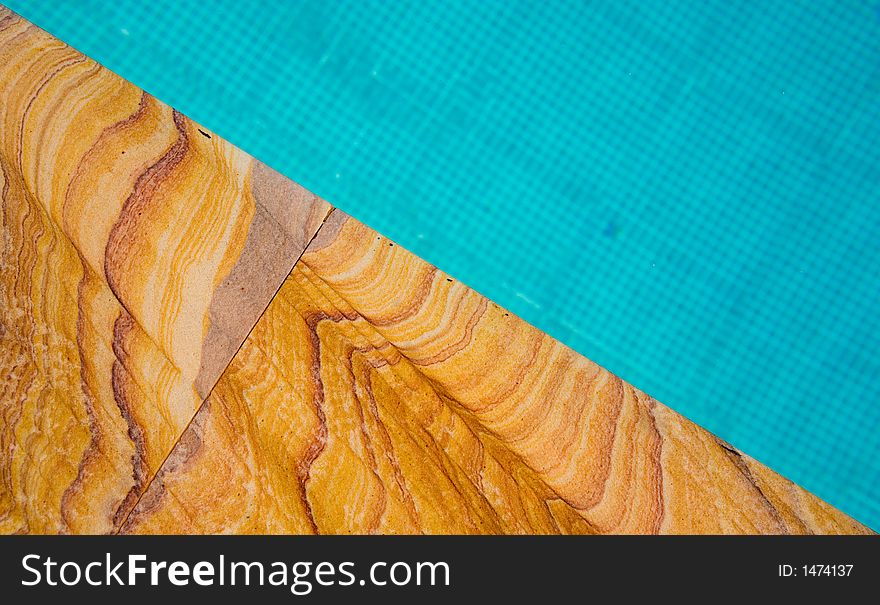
[(379, 395), (137, 251)]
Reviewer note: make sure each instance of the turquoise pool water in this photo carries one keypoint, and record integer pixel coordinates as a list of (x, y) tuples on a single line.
[(686, 192)]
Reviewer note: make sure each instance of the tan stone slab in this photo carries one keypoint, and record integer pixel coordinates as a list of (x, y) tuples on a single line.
[(137, 251), (379, 395)]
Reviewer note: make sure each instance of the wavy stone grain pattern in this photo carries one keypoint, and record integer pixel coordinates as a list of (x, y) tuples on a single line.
[(377, 394), (137, 251)]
